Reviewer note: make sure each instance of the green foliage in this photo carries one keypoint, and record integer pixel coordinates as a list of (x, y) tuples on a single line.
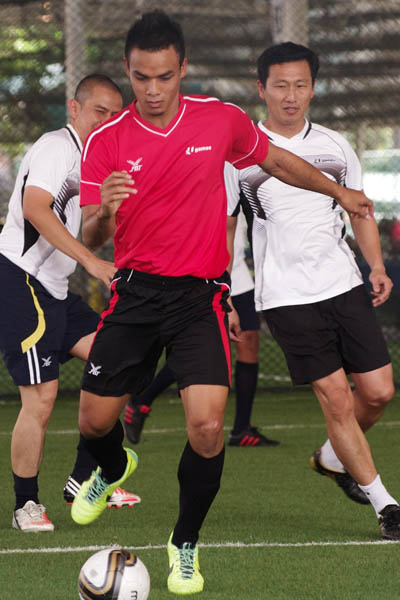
[(27, 56)]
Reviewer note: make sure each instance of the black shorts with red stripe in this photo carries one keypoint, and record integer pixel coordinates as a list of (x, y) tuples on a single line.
[(147, 313)]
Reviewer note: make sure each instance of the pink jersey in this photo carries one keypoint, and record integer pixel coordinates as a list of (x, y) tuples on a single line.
[(176, 224)]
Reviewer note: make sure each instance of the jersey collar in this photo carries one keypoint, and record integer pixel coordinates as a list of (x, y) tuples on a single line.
[(157, 130), (75, 137), (281, 139)]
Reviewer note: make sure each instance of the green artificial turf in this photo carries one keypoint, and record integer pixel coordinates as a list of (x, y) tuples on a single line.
[(301, 537)]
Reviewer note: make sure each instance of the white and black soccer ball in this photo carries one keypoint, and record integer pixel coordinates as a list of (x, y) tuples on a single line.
[(113, 575)]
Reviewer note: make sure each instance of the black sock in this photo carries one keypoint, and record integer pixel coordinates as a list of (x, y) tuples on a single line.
[(108, 452), (246, 375), (199, 480), (26, 488), (84, 464), (161, 382)]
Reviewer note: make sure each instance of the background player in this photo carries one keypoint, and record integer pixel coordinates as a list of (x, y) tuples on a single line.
[(171, 289), (309, 286), (42, 324)]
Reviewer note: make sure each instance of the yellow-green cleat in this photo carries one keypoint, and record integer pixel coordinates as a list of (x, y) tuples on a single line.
[(91, 499), (184, 571)]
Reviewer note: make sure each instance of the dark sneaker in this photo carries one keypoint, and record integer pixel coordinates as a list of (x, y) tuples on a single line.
[(133, 421), (389, 522), (343, 480), (251, 437)]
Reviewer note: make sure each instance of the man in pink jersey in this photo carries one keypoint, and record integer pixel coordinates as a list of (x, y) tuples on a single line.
[(154, 177)]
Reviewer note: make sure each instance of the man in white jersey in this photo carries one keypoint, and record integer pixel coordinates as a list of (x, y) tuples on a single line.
[(41, 323), (308, 285)]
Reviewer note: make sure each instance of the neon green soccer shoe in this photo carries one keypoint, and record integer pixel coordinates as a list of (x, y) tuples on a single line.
[(184, 571), (91, 499)]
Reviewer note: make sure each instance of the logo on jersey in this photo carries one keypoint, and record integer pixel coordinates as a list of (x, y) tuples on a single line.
[(195, 149), (46, 361), (95, 370), (135, 164)]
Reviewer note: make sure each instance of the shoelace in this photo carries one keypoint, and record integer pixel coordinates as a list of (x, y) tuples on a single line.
[(36, 512), (97, 488), (186, 556)]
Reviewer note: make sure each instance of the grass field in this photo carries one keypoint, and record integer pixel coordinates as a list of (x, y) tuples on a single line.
[(277, 530)]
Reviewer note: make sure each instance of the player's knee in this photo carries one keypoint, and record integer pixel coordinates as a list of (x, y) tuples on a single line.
[(340, 405), (380, 397), (92, 429), (205, 436), (39, 406)]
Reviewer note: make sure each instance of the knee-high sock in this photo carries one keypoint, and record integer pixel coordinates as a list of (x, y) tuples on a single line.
[(246, 375), (84, 463), (108, 452), (199, 480)]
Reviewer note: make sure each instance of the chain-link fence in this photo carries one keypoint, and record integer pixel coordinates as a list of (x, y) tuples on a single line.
[(46, 47)]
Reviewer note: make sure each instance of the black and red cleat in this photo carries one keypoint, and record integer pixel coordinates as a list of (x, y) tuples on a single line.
[(133, 421), (251, 437)]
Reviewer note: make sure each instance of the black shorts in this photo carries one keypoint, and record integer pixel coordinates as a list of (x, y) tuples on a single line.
[(147, 313), (320, 338), (246, 309), (37, 331)]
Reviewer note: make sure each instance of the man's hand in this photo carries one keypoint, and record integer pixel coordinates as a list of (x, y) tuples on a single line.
[(235, 331), (381, 286), (101, 269), (355, 202), (114, 190)]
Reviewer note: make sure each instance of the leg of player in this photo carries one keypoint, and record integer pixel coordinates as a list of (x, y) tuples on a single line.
[(103, 435), (199, 475), (27, 443), (351, 447), (85, 463), (373, 391), (246, 377), (138, 406)]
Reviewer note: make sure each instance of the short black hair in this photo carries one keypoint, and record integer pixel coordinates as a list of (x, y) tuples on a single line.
[(155, 31), (283, 53), (86, 85)]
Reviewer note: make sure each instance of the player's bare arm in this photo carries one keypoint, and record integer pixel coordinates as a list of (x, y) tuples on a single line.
[(38, 211), (297, 172), (367, 236), (99, 220), (234, 321)]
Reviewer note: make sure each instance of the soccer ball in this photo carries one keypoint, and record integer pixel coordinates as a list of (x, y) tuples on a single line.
[(113, 575)]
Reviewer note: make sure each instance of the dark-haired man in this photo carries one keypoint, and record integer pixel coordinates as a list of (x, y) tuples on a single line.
[(162, 161), (309, 286), (42, 324)]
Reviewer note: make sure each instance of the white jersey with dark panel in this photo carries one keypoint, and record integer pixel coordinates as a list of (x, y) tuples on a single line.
[(299, 252), (242, 280), (53, 164)]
